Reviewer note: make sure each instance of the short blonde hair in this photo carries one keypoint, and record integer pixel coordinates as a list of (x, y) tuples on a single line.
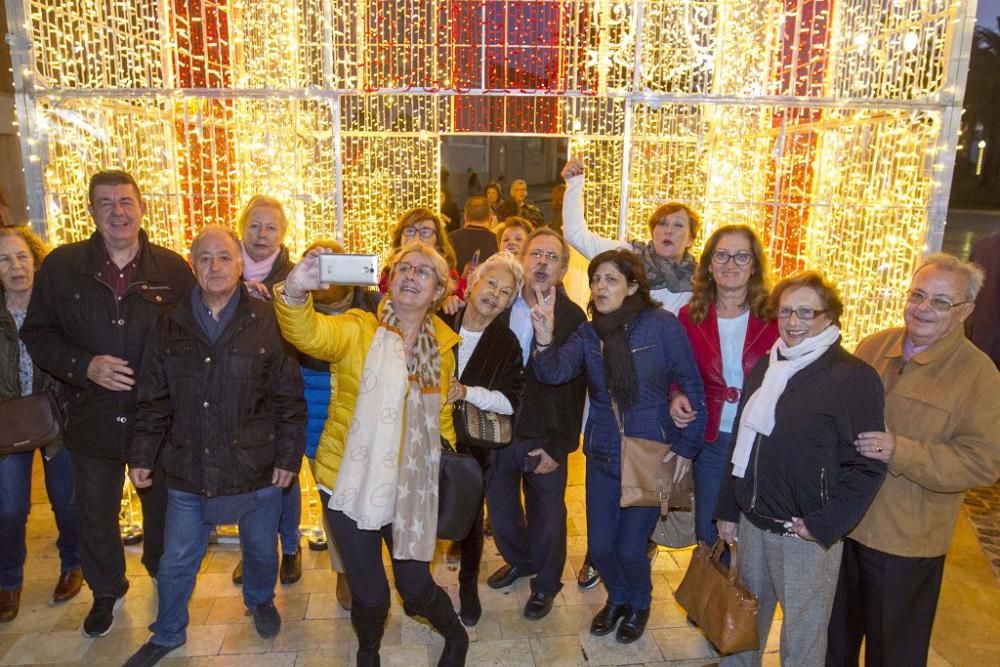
[(258, 201), (500, 260), (969, 271), (36, 246), (441, 269)]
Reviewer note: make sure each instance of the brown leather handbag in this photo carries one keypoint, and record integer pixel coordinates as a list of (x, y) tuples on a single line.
[(29, 422), (648, 480), (717, 601), (482, 428)]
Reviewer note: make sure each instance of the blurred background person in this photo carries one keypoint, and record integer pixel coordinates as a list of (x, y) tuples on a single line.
[(21, 253), (424, 226), (474, 242), (512, 233), (401, 359), (797, 484), (451, 216), (729, 324), (262, 226), (941, 438), (494, 196), (666, 256), (631, 354), (518, 204), (558, 193), (490, 376)]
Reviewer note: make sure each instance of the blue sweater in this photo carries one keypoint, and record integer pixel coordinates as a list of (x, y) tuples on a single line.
[(662, 357)]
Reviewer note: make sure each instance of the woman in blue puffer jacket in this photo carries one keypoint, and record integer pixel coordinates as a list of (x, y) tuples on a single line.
[(631, 353)]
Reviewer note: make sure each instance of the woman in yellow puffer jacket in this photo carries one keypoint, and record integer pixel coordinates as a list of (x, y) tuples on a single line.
[(378, 458)]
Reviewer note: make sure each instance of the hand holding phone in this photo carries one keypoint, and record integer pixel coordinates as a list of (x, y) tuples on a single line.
[(343, 269)]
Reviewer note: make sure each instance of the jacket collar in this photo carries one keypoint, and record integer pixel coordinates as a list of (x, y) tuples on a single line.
[(944, 347), (91, 261), (184, 316), (709, 327)]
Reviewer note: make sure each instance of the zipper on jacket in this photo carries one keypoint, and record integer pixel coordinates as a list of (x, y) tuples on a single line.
[(756, 457), (824, 496)]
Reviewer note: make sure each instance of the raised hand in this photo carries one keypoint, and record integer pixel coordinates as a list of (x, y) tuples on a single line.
[(305, 276), (574, 167), (543, 316)]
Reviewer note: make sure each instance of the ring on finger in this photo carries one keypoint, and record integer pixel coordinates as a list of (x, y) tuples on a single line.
[(878, 449)]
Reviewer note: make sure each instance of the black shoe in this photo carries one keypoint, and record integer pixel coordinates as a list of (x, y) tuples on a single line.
[(148, 655), (538, 605), (238, 573), (291, 567), (607, 618), (506, 575), (369, 624), (266, 620), (102, 615), (435, 605), (471, 610), (633, 625), (588, 576)]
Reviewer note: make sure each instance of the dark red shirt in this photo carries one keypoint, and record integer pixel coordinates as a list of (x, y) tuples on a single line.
[(119, 278)]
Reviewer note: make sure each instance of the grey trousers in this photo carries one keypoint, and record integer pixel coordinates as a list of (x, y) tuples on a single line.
[(800, 575)]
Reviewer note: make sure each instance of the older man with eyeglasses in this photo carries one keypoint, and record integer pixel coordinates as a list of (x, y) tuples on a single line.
[(942, 438)]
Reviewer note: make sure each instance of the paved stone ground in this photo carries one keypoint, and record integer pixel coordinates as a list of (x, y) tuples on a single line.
[(983, 506)]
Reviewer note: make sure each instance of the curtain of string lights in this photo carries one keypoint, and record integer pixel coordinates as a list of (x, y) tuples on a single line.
[(827, 125)]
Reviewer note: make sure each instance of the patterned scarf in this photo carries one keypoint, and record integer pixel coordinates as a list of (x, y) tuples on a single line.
[(662, 272), (389, 471)]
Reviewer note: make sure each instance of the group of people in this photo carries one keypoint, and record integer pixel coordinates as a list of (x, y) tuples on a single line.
[(840, 475)]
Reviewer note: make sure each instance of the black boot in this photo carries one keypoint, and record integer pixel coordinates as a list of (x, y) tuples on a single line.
[(369, 624), (435, 606)]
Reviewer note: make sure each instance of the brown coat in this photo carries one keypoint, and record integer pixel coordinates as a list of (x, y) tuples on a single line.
[(942, 407)]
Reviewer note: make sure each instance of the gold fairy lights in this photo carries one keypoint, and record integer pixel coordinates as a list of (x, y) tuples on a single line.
[(823, 125)]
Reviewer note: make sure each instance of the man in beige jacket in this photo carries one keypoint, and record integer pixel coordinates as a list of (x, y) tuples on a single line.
[(943, 438)]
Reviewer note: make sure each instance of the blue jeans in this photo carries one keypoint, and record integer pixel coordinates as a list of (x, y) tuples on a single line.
[(190, 518), (291, 517), (15, 505), (616, 537), (708, 470)]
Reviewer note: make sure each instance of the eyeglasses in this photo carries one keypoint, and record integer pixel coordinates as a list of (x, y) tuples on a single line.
[(424, 232), (547, 254), (423, 272), (801, 313), (741, 258), (917, 297)]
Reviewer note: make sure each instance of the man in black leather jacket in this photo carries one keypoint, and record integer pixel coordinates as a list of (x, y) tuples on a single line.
[(221, 404), (92, 307)]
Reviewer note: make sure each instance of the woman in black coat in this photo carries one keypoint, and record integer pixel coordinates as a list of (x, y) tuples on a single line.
[(490, 376)]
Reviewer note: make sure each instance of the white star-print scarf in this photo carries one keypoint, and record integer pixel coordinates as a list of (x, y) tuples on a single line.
[(389, 471)]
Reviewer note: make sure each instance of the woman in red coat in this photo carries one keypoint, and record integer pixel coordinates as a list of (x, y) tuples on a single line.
[(730, 328)]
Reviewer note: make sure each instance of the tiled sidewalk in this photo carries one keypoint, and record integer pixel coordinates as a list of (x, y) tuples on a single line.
[(983, 506), (317, 632)]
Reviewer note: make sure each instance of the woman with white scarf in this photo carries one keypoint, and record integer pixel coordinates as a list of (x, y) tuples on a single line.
[(798, 485), (378, 459)]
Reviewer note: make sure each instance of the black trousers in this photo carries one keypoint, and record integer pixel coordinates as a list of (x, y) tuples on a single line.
[(99, 483), (361, 552), (472, 545), (889, 601), (531, 537)]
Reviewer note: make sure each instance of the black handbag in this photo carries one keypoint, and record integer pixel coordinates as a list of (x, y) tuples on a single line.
[(482, 428), (460, 493), (29, 423)]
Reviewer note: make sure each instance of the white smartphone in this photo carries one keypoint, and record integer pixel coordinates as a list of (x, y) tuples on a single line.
[(348, 269)]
